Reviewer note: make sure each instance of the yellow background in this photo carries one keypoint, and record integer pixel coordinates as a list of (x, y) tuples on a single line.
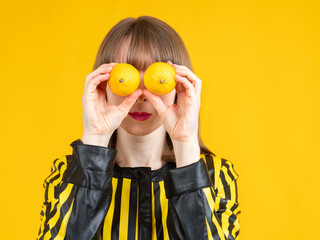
[(259, 65)]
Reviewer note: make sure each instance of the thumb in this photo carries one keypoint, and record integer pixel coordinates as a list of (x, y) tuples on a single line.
[(157, 102), (129, 100)]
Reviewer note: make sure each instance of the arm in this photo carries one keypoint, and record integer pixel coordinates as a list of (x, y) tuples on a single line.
[(194, 211), (77, 193)]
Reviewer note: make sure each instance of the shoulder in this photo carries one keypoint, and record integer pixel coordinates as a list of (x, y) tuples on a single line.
[(58, 167), (222, 171)]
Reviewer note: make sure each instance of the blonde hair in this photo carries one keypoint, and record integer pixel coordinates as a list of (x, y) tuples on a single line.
[(148, 40)]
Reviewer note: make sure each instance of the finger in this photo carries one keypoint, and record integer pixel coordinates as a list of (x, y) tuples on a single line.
[(187, 85), (196, 82), (169, 62), (189, 75), (101, 69), (157, 102), (92, 85), (128, 102), (185, 70), (104, 68)]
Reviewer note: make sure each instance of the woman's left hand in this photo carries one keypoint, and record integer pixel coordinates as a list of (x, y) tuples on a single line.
[(180, 120)]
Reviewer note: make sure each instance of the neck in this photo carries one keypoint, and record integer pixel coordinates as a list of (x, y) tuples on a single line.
[(140, 151)]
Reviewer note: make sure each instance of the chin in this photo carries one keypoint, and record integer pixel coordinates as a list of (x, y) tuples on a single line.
[(138, 128)]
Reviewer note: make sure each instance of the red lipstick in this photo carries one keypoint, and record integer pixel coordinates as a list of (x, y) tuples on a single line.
[(140, 116)]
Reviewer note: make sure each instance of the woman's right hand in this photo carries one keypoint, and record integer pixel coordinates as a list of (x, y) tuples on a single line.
[(100, 118)]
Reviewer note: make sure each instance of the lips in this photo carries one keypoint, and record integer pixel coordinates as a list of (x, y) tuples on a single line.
[(140, 113), (140, 116)]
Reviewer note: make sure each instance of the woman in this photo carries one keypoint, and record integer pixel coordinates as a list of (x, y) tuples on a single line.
[(141, 179)]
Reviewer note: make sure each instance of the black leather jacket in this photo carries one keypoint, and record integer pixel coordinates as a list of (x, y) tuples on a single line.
[(88, 196)]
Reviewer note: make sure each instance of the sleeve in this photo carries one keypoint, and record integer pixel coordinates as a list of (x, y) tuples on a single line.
[(194, 210), (77, 193)]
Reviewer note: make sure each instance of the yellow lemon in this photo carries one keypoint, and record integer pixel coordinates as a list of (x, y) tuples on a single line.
[(159, 78), (124, 79)]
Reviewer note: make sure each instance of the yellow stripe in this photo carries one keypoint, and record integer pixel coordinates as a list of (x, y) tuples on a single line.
[(58, 180), (164, 210), (208, 230), (63, 197), (226, 175), (51, 197), (236, 227), (154, 230), (62, 231), (42, 219), (47, 236), (137, 218), (217, 204), (227, 214), (208, 195), (232, 169), (108, 219), (53, 202), (217, 167), (55, 170), (225, 218), (54, 167), (124, 209), (233, 191), (45, 204)]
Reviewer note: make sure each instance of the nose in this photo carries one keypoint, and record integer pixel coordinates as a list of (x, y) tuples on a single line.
[(142, 97)]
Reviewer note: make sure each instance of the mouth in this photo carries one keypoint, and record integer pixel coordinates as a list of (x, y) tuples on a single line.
[(140, 116)]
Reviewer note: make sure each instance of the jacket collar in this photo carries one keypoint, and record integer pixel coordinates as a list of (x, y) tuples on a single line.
[(139, 172)]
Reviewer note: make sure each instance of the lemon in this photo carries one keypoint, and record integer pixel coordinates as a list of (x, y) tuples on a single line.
[(124, 79), (159, 78)]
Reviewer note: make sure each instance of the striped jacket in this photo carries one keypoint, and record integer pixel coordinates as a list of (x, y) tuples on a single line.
[(88, 196)]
